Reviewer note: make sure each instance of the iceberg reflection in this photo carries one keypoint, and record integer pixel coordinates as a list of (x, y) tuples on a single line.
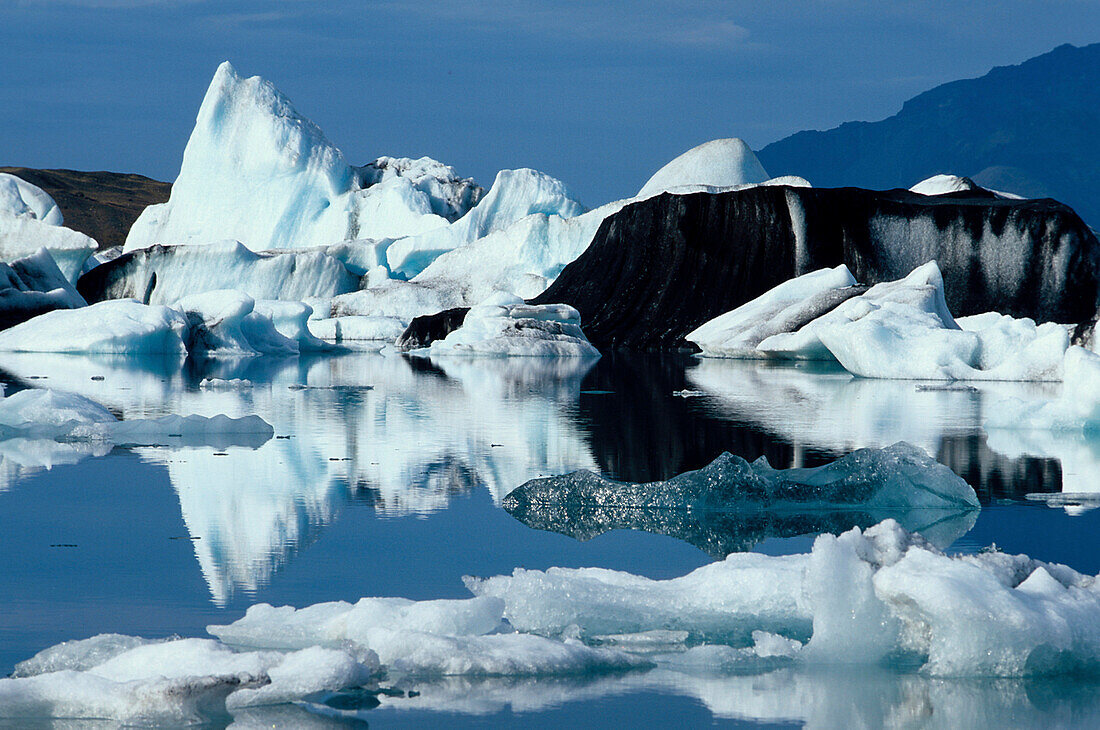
[(403, 435)]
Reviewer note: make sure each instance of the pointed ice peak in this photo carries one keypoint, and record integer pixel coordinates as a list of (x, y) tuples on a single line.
[(718, 163)]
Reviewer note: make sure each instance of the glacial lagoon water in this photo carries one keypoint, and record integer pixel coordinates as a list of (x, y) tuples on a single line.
[(385, 476)]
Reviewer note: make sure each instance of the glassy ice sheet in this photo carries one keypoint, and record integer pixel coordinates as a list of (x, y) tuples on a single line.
[(385, 478)]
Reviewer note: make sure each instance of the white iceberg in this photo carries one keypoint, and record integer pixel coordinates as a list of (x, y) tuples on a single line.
[(718, 163), (114, 327), (30, 220), (515, 194), (504, 325), (257, 171), (786, 308)]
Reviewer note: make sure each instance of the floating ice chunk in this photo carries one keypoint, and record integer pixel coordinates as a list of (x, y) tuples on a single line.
[(449, 195), (329, 624), (178, 681), (718, 163), (786, 308), (731, 505), (444, 637), (166, 274), (898, 477), (504, 325), (721, 602), (114, 327), (515, 194)]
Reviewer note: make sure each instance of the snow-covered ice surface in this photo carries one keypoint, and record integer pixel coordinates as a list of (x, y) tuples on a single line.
[(504, 326), (718, 163)]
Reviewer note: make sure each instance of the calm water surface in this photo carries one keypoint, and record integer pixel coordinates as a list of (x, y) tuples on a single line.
[(385, 478)]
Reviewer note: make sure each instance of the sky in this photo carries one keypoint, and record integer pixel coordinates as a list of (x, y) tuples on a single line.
[(599, 93)]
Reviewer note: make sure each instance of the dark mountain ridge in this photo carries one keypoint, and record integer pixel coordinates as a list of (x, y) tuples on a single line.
[(1029, 129)]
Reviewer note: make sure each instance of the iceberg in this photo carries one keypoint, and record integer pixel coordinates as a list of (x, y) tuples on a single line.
[(504, 325), (113, 327), (515, 194), (257, 171), (166, 274), (718, 163), (786, 308), (225, 323), (30, 220), (896, 330), (33, 285)]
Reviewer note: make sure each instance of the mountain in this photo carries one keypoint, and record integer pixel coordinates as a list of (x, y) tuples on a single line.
[(102, 205), (1029, 129)]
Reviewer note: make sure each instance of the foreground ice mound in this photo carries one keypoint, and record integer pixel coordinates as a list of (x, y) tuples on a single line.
[(30, 220), (871, 597), (225, 323), (257, 171), (166, 274), (865, 597), (786, 308), (731, 504), (898, 477), (718, 163), (57, 415), (505, 325)]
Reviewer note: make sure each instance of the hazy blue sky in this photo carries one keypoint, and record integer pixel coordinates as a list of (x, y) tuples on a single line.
[(599, 92)]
